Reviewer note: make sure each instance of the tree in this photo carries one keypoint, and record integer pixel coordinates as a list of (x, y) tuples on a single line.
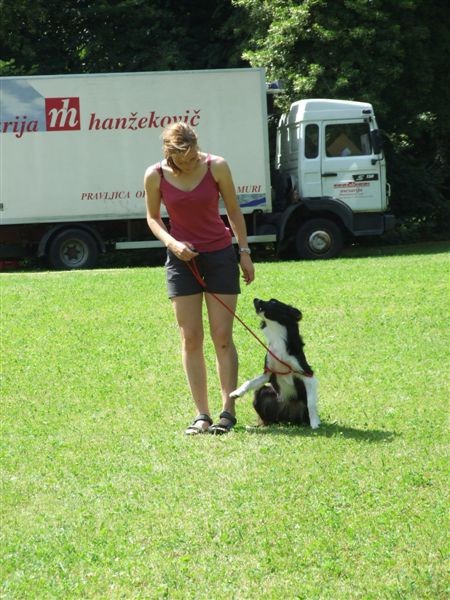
[(393, 53), (86, 36)]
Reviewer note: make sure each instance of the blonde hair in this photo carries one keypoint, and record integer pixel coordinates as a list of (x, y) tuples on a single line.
[(178, 138)]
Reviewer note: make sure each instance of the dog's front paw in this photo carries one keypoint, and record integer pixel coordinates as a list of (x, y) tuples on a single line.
[(315, 423), (243, 389)]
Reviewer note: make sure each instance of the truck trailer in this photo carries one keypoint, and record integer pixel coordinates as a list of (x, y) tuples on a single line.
[(74, 149)]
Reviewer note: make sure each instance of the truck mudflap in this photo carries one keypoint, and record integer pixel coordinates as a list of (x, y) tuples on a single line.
[(389, 222), (372, 223)]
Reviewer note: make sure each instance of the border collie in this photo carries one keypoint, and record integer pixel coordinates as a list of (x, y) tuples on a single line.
[(287, 390)]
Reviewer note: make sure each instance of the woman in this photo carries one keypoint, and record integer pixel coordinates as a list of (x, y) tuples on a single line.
[(189, 183)]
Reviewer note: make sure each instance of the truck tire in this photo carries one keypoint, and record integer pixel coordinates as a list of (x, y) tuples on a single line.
[(73, 249), (319, 238)]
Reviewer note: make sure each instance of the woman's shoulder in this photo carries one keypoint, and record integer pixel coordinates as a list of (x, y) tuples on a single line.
[(218, 164), (215, 160), (153, 172), (152, 176)]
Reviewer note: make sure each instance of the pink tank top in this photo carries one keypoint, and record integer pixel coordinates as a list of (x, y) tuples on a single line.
[(194, 216)]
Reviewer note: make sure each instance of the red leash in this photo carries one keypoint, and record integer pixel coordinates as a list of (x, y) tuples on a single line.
[(192, 266)]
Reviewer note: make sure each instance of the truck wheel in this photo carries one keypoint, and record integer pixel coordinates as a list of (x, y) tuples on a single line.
[(73, 249), (319, 238)]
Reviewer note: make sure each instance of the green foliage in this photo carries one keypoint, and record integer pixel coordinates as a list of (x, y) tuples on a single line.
[(355, 49), (420, 194), (86, 36), (394, 54), (103, 497), (38, 33)]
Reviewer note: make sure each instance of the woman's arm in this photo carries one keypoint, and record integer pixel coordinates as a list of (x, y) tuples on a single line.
[(222, 174)]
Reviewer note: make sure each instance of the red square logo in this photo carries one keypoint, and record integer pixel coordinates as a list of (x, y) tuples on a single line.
[(62, 114)]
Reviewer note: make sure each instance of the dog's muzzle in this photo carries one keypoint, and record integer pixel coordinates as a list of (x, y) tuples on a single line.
[(259, 305)]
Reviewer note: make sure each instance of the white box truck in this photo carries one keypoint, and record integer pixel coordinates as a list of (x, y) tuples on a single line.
[(74, 149)]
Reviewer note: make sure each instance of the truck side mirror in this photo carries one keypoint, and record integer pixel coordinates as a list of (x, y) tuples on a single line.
[(377, 141)]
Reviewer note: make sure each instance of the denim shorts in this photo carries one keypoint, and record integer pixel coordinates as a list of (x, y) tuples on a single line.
[(219, 270)]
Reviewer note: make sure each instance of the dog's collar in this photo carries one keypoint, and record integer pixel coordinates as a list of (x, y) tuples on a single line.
[(291, 370)]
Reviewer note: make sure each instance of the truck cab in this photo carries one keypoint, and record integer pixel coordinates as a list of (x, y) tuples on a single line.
[(329, 154)]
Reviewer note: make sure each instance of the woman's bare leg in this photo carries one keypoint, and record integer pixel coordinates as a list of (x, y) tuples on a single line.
[(188, 312), (221, 328)]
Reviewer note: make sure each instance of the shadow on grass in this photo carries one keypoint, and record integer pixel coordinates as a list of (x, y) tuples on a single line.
[(155, 257), (326, 430), (374, 250)]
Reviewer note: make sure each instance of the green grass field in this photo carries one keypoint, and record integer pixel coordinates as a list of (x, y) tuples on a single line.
[(104, 497)]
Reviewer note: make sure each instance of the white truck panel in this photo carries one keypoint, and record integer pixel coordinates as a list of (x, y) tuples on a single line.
[(317, 109), (87, 161)]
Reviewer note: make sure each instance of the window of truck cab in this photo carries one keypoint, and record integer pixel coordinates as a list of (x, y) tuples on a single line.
[(311, 141), (347, 139)]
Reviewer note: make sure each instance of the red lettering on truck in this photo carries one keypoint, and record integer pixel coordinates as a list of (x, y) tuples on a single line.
[(19, 126), (116, 195), (134, 121), (249, 189)]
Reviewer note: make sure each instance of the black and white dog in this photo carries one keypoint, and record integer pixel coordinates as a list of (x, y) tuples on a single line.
[(287, 390)]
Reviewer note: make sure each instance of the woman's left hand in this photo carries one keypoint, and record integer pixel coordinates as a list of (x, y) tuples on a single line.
[(247, 267)]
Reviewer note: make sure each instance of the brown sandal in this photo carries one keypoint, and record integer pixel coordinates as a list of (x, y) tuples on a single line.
[(195, 429)]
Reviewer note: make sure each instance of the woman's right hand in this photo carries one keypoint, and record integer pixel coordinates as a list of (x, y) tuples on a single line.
[(183, 250)]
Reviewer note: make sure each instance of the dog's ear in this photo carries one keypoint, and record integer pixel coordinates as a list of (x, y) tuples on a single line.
[(297, 314)]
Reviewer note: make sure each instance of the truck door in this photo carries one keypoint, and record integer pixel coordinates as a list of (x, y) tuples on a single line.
[(348, 169)]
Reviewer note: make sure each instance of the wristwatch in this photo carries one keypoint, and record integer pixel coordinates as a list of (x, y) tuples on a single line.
[(245, 251)]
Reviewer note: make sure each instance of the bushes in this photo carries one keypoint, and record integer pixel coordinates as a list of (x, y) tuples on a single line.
[(420, 193)]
